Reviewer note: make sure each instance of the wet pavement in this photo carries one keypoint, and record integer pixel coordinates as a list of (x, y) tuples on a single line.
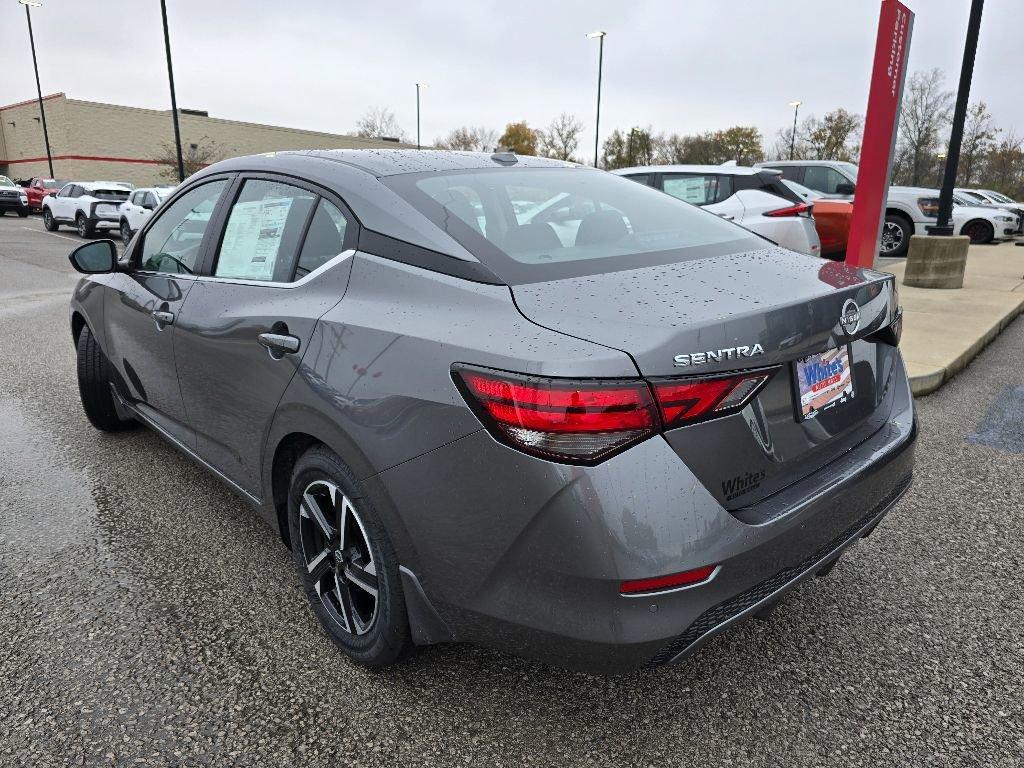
[(148, 617)]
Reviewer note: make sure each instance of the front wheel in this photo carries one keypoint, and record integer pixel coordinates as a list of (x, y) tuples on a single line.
[(980, 232), (49, 222), (346, 561), (126, 233), (896, 232), (94, 378), (23, 214)]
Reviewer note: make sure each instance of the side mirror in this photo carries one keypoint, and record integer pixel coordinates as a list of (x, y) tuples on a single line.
[(95, 258), (845, 189)]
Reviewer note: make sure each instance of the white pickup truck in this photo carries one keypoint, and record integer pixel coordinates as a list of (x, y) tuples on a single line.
[(908, 210)]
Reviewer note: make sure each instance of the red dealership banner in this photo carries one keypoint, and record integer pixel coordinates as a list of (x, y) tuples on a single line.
[(880, 122)]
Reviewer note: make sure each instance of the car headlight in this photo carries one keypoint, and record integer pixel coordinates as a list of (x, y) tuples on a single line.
[(929, 206), (23, 199), (1004, 218)]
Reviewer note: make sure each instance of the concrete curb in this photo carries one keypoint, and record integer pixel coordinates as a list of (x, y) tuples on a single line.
[(926, 382)]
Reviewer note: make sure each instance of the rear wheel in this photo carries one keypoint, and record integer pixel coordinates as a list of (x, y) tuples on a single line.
[(49, 222), (85, 229), (896, 232), (345, 560), (94, 377), (979, 231)]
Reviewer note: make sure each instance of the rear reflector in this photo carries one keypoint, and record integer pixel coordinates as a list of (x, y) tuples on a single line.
[(687, 401), (672, 581), (800, 209), (581, 421)]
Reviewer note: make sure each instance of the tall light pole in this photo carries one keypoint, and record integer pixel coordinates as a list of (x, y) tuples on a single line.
[(600, 63), (792, 139), (944, 223), (174, 99), (418, 86), (39, 89)]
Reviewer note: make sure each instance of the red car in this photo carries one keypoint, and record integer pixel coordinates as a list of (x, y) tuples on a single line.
[(37, 189)]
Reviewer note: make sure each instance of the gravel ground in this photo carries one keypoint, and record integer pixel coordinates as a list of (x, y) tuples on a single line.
[(150, 619)]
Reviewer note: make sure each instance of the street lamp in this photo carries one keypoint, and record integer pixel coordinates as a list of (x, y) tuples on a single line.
[(941, 157), (174, 99), (39, 90), (418, 86), (600, 63), (792, 139)]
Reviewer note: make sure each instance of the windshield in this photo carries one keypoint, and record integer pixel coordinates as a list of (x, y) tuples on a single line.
[(971, 197), (536, 224), (5, 182), (850, 168)]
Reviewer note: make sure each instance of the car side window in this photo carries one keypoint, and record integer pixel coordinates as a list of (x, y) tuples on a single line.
[(65, 191), (136, 200), (641, 178), (171, 244), (823, 179), (697, 189), (148, 199), (261, 238), (325, 238), (76, 191)]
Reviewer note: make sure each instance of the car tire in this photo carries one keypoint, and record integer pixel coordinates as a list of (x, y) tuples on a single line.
[(85, 229), (340, 577), (94, 377), (49, 223), (23, 214), (979, 230), (895, 240), (126, 232)]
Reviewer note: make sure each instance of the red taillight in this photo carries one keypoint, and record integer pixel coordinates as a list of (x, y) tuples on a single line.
[(800, 209), (672, 581), (583, 421), (580, 421), (686, 401)]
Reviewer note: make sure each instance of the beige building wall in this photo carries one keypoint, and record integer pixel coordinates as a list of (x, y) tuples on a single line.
[(92, 141)]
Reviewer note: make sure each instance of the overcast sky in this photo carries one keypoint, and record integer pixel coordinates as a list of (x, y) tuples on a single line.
[(678, 66)]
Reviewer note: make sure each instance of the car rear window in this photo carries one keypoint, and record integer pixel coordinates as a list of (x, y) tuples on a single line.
[(536, 224), (110, 194)]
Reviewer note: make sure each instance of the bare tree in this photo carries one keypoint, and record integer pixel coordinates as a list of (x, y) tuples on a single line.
[(469, 139), (1003, 169), (979, 138), (834, 137), (195, 155), (561, 138), (926, 111), (380, 123)]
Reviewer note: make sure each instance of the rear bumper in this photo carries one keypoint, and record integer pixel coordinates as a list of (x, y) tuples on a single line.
[(527, 556)]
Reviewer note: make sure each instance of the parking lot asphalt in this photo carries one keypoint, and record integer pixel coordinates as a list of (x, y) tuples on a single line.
[(149, 618)]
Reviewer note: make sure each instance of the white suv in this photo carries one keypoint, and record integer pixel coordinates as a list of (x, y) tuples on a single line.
[(136, 210), (88, 206), (753, 198), (908, 210)]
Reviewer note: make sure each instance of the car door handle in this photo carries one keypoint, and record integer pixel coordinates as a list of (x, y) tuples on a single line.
[(279, 344), (162, 317), (727, 216)]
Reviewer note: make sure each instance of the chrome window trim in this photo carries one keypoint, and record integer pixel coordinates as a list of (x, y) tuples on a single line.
[(346, 254)]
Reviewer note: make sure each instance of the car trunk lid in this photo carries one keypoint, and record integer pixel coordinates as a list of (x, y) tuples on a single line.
[(760, 309)]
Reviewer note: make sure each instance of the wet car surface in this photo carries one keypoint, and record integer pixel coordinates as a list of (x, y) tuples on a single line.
[(150, 618)]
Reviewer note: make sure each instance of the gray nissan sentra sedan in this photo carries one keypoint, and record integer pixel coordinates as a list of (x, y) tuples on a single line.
[(505, 400)]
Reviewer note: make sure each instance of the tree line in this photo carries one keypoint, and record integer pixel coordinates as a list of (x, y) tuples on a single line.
[(990, 157)]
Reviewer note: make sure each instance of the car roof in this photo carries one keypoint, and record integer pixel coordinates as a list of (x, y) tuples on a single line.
[(726, 170), (391, 162), (89, 186)]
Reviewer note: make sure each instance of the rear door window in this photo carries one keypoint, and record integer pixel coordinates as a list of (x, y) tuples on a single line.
[(263, 231), (325, 238), (698, 189)]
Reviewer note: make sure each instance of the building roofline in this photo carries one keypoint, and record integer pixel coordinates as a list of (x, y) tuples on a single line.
[(34, 101)]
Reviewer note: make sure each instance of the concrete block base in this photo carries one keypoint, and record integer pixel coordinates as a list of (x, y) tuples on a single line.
[(936, 262)]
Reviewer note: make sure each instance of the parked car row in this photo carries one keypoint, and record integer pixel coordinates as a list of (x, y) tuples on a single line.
[(97, 206), (12, 198), (910, 210)]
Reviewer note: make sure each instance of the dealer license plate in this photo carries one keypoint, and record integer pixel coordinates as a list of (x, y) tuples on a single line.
[(824, 381)]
